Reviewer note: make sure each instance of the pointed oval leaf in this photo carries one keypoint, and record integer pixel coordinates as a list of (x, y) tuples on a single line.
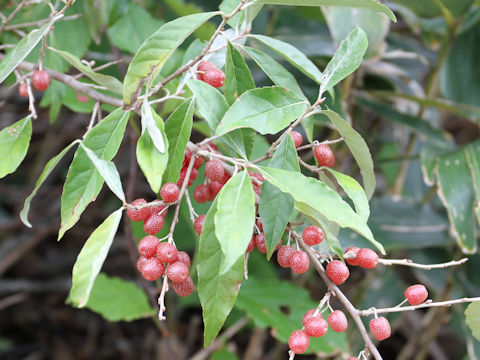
[(234, 218), (91, 258), (155, 51), (14, 141), (238, 78), (217, 291), (472, 154), (472, 318), (178, 128), (266, 110)]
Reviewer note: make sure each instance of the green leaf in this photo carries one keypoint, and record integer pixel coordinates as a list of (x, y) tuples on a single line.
[(354, 191), (129, 32), (234, 218), (108, 172), (472, 153), (313, 196), (217, 291), (292, 55), (23, 48), (149, 125), (178, 128), (118, 300), (455, 188), (43, 176), (108, 81), (155, 51), (276, 72), (238, 78), (14, 141), (266, 110), (359, 150), (369, 4), (95, 14), (91, 258), (430, 8), (83, 182), (152, 162), (346, 59), (472, 318)]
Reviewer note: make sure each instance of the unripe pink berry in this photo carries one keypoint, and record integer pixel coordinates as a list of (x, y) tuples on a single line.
[(198, 224), (185, 288), (297, 138), (183, 257), (312, 235), (324, 155), (416, 294), (153, 224), (299, 262), (201, 194), (309, 314), (140, 214), (41, 80), (338, 272), (147, 247), (169, 192), (23, 90), (214, 170), (167, 252), (141, 263), (153, 269), (260, 242), (337, 321), (316, 326), (354, 250), (298, 341), (367, 258), (284, 255), (214, 77), (380, 328), (177, 272)]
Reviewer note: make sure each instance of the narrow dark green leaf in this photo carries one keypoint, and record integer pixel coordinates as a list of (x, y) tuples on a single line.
[(91, 258), (285, 156), (238, 78), (178, 128), (359, 150), (14, 141), (217, 291)]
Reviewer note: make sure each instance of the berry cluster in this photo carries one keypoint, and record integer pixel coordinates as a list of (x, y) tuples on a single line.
[(209, 73), (40, 81)]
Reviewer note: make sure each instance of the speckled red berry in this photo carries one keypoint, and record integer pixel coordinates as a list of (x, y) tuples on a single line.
[(153, 224), (185, 288), (198, 224), (41, 80), (367, 258), (177, 272), (141, 263), (284, 255), (297, 138), (153, 269), (251, 245), (198, 162), (352, 250), (23, 90), (298, 341), (316, 326), (147, 247), (202, 67), (186, 158), (169, 192), (138, 214), (310, 313), (214, 170), (201, 194), (158, 209), (416, 294), (184, 258), (259, 224), (214, 187), (337, 321), (299, 262), (324, 155), (214, 77), (260, 243), (380, 328), (167, 252), (337, 272), (312, 235)]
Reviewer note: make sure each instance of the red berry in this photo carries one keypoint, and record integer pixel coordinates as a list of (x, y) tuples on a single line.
[(186, 159), (416, 294), (183, 173), (198, 162), (312, 235), (201, 194), (298, 341), (183, 257), (353, 358), (354, 250), (158, 209), (193, 175), (141, 263), (251, 244), (260, 224), (41, 80), (153, 269), (367, 258), (214, 77), (284, 255), (153, 224), (337, 321), (324, 155), (23, 90), (214, 170), (299, 262), (260, 242), (140, 214), (316, 326), (309, 314), (82, 98), (169, 192), (148, 246), (257, 179), (226, 177), (214, 188), (380, 328), (167, 252), (198, 224), (177, 272), (185, 288), (202, 67), (297, 138), (338, 272)]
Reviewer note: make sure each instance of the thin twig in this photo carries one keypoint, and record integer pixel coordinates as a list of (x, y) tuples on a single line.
[(161, 298), (40, 22), (408, 262), (11, 16)]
